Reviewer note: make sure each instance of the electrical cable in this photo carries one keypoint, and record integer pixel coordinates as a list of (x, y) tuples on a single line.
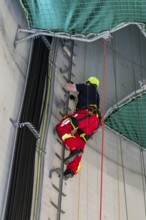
[(43, 121), (21, 186), (115, 79), (120, 144), (103, 129)]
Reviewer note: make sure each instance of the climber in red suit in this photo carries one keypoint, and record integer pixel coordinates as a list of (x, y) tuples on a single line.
[(75, 129)]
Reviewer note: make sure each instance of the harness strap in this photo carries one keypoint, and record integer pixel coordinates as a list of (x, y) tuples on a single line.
[(83, 135), (92, 108), (86, 116), (74, 122)]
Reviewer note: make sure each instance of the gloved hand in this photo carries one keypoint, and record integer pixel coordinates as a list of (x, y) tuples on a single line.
[(72, 97)]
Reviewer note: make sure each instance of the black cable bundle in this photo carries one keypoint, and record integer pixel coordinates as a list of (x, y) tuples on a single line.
[(21, 182)]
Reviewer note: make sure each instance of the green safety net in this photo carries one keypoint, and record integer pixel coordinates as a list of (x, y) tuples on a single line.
[(129, 119), (86, 18)]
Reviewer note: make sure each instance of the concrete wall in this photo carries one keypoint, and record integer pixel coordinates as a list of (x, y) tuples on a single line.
[(13, 63), (123, 181)]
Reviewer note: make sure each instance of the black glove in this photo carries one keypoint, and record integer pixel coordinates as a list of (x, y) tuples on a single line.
[(72, 97), (70, 82)]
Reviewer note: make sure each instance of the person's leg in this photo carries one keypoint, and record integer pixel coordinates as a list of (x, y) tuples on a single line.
[(78, 151), (73, 167), (87, 126), (64, 130), (90, 124)]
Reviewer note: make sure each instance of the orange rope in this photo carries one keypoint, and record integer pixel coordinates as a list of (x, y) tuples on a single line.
[(103, 109)]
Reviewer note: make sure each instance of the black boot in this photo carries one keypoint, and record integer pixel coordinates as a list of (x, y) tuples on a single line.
[(68, 174), (72, 155)]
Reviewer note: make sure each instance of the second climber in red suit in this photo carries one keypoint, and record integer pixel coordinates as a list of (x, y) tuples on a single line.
[(76, 128)]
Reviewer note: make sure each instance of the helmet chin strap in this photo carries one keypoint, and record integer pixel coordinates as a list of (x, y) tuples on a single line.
[(90, 84)]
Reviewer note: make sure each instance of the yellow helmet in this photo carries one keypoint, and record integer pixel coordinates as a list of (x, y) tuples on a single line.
[(93, 80)]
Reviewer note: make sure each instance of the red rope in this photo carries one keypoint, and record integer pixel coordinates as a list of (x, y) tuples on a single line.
[(102, 148)]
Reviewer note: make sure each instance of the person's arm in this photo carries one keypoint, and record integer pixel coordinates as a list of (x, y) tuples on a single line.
[(70, 87)]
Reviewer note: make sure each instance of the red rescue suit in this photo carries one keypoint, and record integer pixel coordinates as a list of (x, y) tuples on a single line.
[(74, 130)]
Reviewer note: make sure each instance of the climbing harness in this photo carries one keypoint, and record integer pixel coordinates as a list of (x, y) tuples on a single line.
[(83, 135)]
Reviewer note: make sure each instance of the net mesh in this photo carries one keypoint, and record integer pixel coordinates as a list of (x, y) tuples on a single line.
[(129, 119), (86, 18)]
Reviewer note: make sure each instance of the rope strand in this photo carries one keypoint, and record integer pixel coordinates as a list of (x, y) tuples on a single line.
[(102, 147)]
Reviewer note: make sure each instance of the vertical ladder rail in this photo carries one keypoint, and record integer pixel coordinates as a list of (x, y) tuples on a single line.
[(63, 149)]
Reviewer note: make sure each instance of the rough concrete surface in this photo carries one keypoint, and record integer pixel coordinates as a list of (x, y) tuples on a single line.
[(123, 179), (13, 63)]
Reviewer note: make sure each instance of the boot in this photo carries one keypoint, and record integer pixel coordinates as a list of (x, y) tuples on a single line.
[(68, 174)]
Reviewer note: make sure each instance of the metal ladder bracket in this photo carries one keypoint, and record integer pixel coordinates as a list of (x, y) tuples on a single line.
[(56, 170), (40, 150), (28, 125), (27, 35), (32, 129), (16, 36)]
